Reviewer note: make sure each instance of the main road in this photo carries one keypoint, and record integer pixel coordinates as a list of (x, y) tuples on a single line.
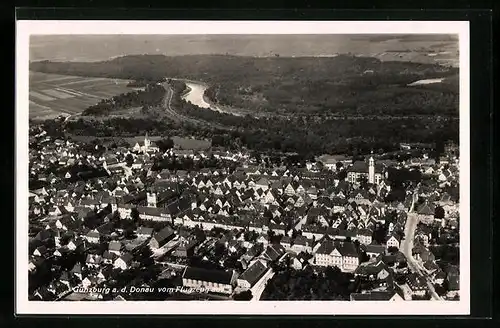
[(407, 247)]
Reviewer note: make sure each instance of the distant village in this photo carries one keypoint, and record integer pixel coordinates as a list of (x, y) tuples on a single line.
[(108, 219)]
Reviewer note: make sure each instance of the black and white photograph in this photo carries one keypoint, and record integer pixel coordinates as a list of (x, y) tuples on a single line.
[(244, 167)]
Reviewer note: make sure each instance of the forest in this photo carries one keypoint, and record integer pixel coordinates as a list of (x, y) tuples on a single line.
[(152, 95), (342, 85), (344, 105)]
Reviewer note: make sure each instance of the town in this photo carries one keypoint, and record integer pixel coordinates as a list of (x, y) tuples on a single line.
[(233, 225)]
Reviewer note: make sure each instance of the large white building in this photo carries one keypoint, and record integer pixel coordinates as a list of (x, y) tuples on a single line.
[(372, 172), (340, 254), (216, 281), (146, 146)]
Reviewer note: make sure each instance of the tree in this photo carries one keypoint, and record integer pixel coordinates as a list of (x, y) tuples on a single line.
[(129, 159), (379, 234), (342, 175), (392, 249), (243, 296), (134, 215), (439, 212), (165, 144), (145, 257)]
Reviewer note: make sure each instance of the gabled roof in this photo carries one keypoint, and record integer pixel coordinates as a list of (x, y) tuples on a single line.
[(163, 234), (373, 296), (374, 248), (425, 209), (145, 231), (217, 276), (127, 258), (253, 273), (344, 248), (370, 268), (274, 252), (114, 245)]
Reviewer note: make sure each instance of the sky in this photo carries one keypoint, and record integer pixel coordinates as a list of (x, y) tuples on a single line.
[(104, 47)]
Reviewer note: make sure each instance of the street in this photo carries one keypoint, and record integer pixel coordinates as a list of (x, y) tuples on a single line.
[(169, 94), (259, 287), (407, 247)]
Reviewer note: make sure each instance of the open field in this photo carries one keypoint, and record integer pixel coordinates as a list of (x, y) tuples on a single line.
[(52, 95)]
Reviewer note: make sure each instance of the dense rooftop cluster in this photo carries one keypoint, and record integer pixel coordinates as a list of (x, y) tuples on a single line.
[(103, 219)]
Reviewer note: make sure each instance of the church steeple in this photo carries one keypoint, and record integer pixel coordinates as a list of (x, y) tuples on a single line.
[(146, 143), (371, 170)]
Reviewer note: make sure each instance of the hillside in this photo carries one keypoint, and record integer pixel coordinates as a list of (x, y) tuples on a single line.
[(342, 85)]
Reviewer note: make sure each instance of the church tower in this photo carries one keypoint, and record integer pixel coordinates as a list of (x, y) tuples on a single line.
[(146, 143), (371, 170), (151, 199)]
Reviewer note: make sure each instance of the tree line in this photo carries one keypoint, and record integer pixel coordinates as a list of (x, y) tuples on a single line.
[(152, 95)]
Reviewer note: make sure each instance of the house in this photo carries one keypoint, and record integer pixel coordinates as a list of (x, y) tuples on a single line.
[(286, 242), (89, 281), (93, 236), (425, 212), (41, 251), (371, 172), (216, 281), (302, 244), (273, 253), (431, 267), (124, 261), (43, 294), (364, 236), (300, 261), (252, 274), (373, 270), (61, 251), (185, 247), (417, 284), (161, 238), (108, 257), (115, 247), (144, 232), (76, 271), (453, 278), (93, 260), (440, 277), (340, 254), (393, 241), (391, 296), (75, 244)]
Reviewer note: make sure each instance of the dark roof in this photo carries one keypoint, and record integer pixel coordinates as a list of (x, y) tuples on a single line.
[(416, 281), (345, 248), (370, 268), (127, 257), (218, 276), (254, 273), (373, 296), (274, 252), (145, 231), (163, 234), (114, 246), (358, 166)]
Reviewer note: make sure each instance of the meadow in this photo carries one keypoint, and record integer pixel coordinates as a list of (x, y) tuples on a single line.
[(51, 95)]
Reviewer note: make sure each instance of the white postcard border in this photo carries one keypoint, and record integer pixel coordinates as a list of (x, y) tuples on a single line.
[(25, 28)]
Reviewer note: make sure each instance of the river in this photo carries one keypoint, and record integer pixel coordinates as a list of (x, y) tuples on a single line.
[(196, 97)]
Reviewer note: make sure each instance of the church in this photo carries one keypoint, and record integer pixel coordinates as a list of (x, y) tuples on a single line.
[(147, 146), (372, 172)]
